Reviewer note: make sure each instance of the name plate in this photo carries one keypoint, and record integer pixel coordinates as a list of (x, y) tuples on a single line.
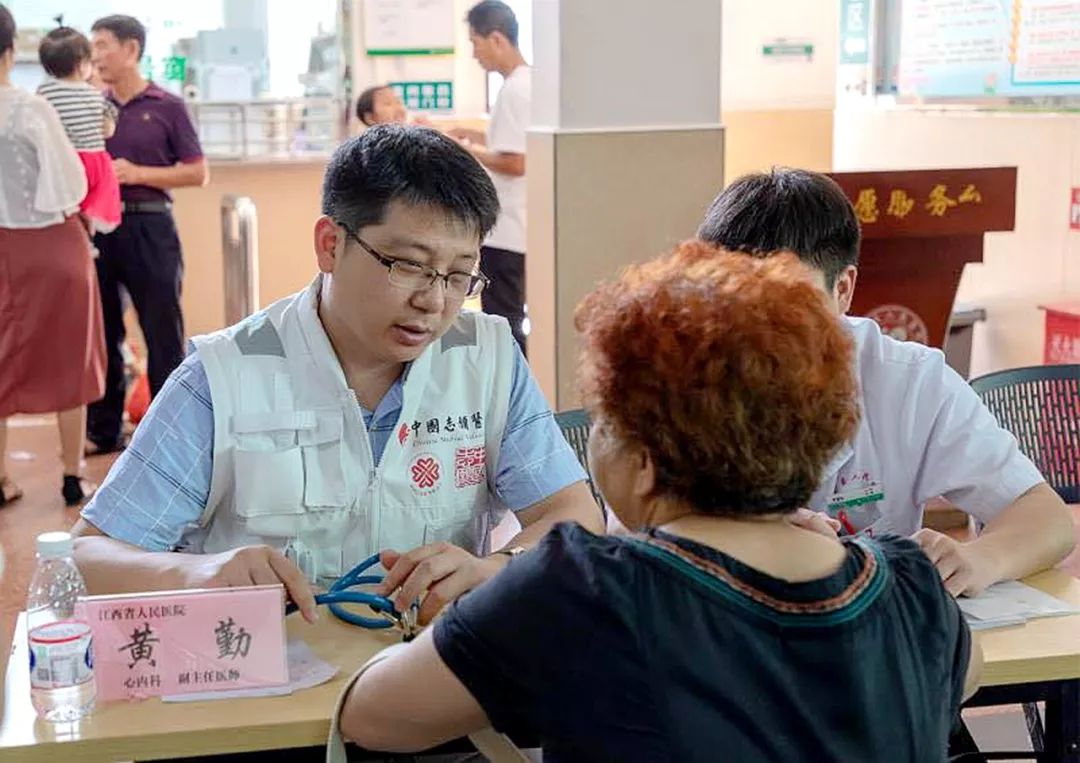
[(178, 642)]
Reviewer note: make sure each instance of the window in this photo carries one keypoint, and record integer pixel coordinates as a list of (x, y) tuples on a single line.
[(261, 77), (212, 49)]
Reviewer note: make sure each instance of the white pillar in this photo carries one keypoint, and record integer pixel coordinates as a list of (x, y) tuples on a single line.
[(625, 153)]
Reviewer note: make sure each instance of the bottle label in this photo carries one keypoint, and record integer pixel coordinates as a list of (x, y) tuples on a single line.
[(61, 655)]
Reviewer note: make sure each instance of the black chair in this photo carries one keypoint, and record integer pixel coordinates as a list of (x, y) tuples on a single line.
[(575, 428), (1041, 407)]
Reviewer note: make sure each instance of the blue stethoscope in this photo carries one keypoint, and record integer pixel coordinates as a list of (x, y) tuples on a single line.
[(339, 594)]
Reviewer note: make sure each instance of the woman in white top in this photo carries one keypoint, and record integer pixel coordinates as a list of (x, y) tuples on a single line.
[(52, 346)]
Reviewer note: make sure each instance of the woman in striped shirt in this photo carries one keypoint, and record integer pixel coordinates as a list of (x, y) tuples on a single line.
[(87, 117)]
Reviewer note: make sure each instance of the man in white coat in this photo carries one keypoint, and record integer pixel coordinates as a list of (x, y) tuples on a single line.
[(924, 432)]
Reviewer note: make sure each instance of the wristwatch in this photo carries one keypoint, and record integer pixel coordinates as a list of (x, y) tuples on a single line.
[(512, 551)]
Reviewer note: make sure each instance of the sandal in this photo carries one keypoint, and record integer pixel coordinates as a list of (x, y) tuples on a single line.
[(76, 490), (9, 492)]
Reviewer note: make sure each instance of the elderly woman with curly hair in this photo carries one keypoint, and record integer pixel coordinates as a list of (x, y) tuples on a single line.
[(720, 386)]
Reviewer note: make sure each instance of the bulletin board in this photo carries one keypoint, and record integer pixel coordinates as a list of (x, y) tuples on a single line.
[(989, 48), (409, 27)]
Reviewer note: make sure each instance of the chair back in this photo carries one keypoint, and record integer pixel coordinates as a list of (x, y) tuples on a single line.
[(575, 428), (1040, 405)]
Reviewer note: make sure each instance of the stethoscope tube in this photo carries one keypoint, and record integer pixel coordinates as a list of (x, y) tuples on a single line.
[(339, 594)]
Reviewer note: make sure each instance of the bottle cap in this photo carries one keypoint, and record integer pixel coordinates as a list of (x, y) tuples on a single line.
[(54, 545)]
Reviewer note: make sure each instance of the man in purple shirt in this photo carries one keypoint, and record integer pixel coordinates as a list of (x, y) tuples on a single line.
[(155, 148)]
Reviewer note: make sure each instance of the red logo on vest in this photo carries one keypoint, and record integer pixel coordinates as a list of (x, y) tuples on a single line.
[(425, 472), (470, 467), (403, 434)]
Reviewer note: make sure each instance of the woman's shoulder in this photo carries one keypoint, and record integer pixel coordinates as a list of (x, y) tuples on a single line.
[(902, 554), (26, 108), (570, 555), (916, 579), (572, 538), (33, 105), (18, 95)]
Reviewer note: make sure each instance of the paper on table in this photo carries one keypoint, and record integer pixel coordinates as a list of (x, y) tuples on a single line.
[(305, 671), (1011, 603)]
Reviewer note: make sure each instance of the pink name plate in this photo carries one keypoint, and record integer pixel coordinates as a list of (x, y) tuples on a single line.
[(176, 642)]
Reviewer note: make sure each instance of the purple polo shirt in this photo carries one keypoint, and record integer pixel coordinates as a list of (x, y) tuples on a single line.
[(154, 130)]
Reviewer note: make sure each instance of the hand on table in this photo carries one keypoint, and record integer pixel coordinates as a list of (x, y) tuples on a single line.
[(440, 572), (248, 566), (964, 570)]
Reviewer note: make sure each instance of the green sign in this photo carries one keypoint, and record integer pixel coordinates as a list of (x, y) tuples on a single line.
[(167, 69), (854, 31), (426, 96), (780, 49), (410, 52), (175, 68)]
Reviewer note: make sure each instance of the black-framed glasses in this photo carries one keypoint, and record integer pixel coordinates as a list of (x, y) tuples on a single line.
[(415, 276)]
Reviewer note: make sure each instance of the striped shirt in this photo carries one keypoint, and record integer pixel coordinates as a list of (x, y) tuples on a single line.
[(82, 109)]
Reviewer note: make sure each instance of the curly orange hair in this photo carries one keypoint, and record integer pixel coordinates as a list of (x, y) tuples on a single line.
[(731, 371)]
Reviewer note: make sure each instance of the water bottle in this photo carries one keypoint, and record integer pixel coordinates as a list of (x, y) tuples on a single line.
[(62, 687)]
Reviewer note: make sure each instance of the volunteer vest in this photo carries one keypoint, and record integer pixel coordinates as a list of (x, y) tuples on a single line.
[(293, 466)]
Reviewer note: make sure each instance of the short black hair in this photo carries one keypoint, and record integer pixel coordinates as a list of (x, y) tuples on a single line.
[(494, 16), (7, 30), (786, 210), (124, 28), (415, 165), (365, 104), (62, 50)]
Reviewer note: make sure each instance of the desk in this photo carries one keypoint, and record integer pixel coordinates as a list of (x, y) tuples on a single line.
[(151, 730), (1040, 652), (1038, 662)]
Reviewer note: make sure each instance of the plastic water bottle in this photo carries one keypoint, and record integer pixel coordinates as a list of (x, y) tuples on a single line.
[(62, 686)]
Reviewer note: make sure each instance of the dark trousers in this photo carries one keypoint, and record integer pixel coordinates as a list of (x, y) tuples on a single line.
[(505, 295), (142, 255)]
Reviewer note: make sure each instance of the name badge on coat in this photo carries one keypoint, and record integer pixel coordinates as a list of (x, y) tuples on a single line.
[(855, 503)]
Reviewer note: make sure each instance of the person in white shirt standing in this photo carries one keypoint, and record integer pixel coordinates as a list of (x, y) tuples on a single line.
[(924, 432), (493, 30)]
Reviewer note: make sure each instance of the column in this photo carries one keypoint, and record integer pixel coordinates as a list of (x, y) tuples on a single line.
[(625, 153)]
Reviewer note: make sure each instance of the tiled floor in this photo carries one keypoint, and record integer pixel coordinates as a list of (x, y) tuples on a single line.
[(35, 465)]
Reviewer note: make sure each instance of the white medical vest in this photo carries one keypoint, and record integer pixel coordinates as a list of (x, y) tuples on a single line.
[(293, 466)]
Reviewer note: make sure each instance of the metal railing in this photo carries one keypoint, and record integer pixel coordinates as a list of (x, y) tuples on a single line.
[(240, 253), (279, 129)]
